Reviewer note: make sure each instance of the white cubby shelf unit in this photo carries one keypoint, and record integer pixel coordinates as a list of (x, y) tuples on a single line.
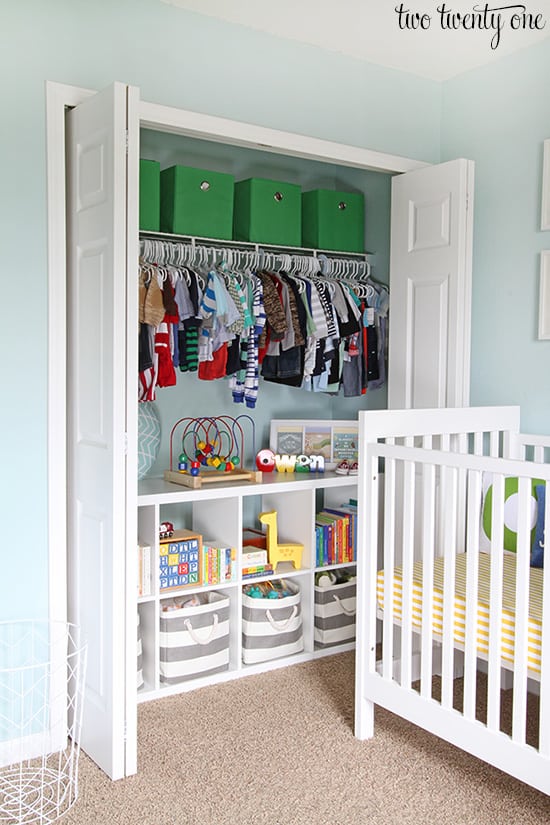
[(220, 512)]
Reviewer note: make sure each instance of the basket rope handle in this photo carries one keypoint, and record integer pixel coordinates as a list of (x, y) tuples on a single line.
[(193, 633), (282, 625), (344, 610)]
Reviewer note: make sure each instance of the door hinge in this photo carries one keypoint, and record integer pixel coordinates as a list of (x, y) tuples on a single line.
[(127, 140), (125, 443)]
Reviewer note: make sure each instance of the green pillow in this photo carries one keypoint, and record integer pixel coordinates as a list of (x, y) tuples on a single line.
[(511, 498)]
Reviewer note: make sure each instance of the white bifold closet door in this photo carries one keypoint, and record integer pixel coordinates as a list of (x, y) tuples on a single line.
[(101, 475), (430, 286)]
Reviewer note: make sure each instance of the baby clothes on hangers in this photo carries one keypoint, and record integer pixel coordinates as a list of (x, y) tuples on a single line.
[(381, 304), (245, 388), (219, 312), (188, 329), (282, 362), (310, 331)]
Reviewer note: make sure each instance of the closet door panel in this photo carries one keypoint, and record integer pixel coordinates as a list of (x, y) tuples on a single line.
[(430, 284), (97, 389)]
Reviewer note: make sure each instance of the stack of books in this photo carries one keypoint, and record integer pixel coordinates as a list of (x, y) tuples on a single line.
[(145, 579), (254, 563), (219, 563), (336, 535)]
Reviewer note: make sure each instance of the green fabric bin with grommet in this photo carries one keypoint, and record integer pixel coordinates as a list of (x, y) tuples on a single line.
[(268, 212), (196, 202), (333, 220)]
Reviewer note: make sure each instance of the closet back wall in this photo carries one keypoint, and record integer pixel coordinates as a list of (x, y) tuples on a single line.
[(179, 59), (194, 397)]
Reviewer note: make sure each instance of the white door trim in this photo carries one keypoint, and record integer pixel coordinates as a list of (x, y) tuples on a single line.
[(251, 136)]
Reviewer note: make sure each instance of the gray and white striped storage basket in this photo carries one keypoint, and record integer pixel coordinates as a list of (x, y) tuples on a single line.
[(194, 641), (272, 627), (334, 614)]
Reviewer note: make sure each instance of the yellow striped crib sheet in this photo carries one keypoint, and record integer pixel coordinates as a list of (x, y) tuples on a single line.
[(508, 609)]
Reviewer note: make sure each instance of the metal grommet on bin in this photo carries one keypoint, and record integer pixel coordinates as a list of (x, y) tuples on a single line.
[(205, 186), (342, 205), (278, 196)]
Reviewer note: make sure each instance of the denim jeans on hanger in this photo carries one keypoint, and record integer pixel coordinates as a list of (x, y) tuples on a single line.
[(285, 368)]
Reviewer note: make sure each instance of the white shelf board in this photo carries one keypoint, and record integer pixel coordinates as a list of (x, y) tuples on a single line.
[(158, 491)]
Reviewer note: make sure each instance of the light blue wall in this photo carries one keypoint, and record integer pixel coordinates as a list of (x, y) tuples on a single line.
[(178, 59), (499, 116)]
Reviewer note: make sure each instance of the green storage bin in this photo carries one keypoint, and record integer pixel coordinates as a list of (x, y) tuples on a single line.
[(149, 195), (333, 220), (268, 212), (196, 202)]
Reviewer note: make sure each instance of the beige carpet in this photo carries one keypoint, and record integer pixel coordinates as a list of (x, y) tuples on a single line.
[(279, 749)]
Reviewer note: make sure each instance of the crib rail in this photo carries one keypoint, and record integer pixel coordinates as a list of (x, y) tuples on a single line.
[(444, 632), (530, 448)]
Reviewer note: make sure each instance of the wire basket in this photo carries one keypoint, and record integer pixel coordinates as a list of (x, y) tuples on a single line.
[(42, 670)]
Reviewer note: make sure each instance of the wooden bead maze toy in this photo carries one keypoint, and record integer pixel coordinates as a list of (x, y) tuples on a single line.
[(211, 450)]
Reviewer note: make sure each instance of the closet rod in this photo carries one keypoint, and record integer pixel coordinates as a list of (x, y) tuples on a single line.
[(255, 247)]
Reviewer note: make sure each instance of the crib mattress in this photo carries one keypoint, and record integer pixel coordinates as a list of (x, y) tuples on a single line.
[(508, 608)]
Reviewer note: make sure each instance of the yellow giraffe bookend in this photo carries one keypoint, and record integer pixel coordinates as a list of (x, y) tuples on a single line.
[(288, 551)]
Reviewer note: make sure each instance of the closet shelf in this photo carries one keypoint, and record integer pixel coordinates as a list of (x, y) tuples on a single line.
[(256, 247)]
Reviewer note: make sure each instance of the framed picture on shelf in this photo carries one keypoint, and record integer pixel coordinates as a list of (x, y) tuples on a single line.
[(334, 440)]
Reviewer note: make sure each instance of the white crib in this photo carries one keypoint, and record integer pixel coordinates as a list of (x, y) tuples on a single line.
[(442, 494)]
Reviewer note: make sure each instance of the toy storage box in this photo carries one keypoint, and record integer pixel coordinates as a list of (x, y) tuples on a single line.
[(333, 220), (179, 560), (334, 614), (149, 195), (196, 202), (272, 627), (268, 212), (194, 641)]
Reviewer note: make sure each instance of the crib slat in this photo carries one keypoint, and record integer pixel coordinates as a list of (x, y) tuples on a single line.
[(368, 565), (428, 540), (495, 604), (494, 443), (519, 713), (408, 551), (389, 567), (478, 443), (448, 515), (462, 447), (366, 618), (512, 448), (544, 711), (472, 582)]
